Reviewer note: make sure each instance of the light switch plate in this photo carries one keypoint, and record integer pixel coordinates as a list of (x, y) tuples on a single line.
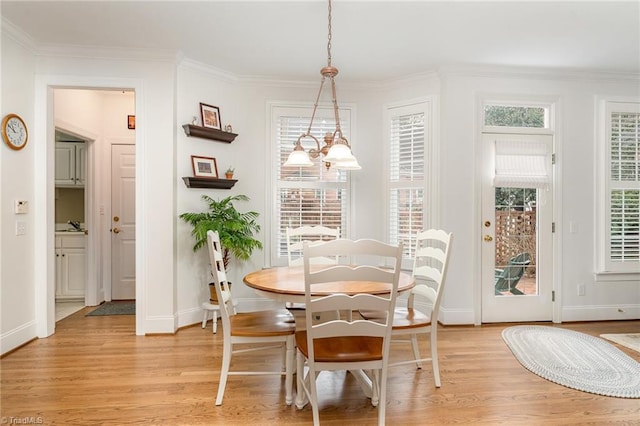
[(21, 227)]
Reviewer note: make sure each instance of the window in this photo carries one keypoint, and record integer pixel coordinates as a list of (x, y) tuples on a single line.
[(525, 115), (406, 180), (621, 228), (306, 195)]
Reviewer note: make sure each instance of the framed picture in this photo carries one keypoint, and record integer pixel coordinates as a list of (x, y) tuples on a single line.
[(131, 121), (204, 167), (210, 116)]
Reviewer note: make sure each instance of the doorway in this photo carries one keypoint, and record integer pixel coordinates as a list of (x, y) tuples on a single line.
[(99, 117), (517, 238)]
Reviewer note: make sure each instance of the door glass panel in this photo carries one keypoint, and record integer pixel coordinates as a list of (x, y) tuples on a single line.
[(515, 241)]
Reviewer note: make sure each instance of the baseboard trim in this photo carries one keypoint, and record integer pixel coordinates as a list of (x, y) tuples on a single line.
[(17, 337), (600, 313)]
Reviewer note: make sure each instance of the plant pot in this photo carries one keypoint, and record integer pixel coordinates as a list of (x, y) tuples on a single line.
[(229, 175), (213, 296)]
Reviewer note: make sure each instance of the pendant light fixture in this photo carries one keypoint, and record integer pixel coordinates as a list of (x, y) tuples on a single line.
[(336, 150)]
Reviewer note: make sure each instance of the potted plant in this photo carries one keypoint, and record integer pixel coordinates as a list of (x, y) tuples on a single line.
[(236, 229), (229, 172)]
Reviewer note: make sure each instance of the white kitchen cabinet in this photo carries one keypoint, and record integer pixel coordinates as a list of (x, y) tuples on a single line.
[(71, 161), (70, 266)]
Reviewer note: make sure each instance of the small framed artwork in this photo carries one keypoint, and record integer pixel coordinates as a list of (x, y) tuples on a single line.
[(131, 122), (205, 167), (210, 116)]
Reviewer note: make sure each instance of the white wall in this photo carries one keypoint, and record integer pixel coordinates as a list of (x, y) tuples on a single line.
[(576, 162), (17, 288)]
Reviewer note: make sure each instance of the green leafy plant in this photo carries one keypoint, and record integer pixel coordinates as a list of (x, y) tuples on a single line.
[(236, 229), (230, 170)]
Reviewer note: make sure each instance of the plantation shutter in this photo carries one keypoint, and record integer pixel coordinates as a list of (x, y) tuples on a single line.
[(406, 178), (624, 185), (522, 164), (307, 195)]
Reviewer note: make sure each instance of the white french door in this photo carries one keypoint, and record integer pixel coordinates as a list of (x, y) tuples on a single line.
[(517, 239)]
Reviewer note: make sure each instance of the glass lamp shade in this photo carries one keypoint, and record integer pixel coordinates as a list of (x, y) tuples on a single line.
[(339, 153), (346, 165), (298, 158)]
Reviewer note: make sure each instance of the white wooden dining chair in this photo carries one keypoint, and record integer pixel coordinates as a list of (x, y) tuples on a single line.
[(297, 236), (343, 343), (430, 266), (295, 240), (275, 328)]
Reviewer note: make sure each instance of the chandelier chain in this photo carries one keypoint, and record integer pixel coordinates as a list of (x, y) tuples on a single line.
[(329, 38)]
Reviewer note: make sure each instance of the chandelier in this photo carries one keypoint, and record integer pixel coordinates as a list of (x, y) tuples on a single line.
[(336, 150)]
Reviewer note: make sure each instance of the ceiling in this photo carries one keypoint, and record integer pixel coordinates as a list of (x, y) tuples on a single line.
[(372, 40)]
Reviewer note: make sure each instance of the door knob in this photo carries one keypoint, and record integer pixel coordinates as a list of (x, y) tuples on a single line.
[(488, 238), (116, 230)]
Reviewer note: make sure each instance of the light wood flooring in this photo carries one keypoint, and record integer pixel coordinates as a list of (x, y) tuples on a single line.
[(96, 371)]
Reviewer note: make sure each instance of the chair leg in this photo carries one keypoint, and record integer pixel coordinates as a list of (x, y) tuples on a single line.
[(215, 321), (205, 318), (289, 370), (300, 400), (382, 404), (434, 356), (416, 350), (224, 370), (375, 388), (313, 397)]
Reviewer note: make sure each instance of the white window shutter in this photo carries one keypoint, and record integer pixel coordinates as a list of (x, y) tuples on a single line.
[(624, 188), (406, 177)]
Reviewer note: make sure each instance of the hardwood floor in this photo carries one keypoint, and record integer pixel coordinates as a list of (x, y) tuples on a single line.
[(96, 371)]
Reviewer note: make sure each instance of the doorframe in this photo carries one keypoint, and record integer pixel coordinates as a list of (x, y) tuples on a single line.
[(555, 130), (44, 197)]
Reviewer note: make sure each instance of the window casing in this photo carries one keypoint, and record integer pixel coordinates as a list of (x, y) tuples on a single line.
[(620, 224), (306, 195), (408, 130)]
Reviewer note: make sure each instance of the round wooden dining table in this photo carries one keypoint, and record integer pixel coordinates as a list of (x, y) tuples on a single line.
[(286, 284)]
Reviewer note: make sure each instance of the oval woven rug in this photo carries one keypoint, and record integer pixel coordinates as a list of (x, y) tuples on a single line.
[(575, 360)]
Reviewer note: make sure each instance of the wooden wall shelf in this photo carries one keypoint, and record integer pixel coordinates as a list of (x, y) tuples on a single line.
[(208, 133), (199, 182)]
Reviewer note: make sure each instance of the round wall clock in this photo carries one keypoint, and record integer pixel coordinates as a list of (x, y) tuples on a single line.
[(14, 131)]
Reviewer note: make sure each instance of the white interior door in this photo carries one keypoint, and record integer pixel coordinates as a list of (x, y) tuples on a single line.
[(517, 239), (123, 225)]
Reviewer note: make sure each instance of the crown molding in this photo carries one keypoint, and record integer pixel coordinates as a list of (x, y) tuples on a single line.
[(110, 53), (16, 34), (535, 73), (218, 73)]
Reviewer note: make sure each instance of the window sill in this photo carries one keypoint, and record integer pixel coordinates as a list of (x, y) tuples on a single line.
[(616, 276)]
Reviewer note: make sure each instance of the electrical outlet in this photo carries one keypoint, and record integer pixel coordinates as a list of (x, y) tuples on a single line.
[(582, 289)]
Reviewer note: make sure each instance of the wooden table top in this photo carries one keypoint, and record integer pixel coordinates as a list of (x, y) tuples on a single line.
[(289, 280)]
